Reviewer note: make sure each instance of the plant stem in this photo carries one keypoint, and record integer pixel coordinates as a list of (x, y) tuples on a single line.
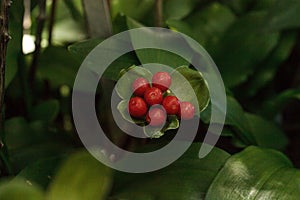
[(4, 39), (159, 13), (51, 21), (39, 30)]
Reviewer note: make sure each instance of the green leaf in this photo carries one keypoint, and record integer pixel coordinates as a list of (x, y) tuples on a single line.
[(277, 103), (58, 66), (124, 84), (46, 111), (266, 133), (187, 178), (83, 48), (19, 189), (129, 8), (207, 25), (256, 173), (156, 55), (246, 45), (266, 71), (239, 6), (195, 81), (81, 177), (177, 9), (42, 171), (283, 15)]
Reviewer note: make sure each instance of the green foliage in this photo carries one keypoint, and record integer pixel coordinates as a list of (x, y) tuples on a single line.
[(256, 174), (255, 44)]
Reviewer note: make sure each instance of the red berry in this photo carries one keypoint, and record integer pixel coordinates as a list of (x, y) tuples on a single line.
[(137, 107), (171, 105), (156, 117), (161, 80), (186, 111), (139, 86), (153, 96)]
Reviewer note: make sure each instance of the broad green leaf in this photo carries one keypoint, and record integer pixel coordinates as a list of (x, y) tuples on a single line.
[(187, 178), (283, 15), (194, 80), (124, 84), (277, 103), (243, 47), (239, 6), (267, 69), (81, 177), (207, 25), (137, 9), (42, 171), (149, 55), (256, 173), (177, 9), (236, 118), (83, 48), (58, 66), (46, 111), (266, 133), (19, 189)]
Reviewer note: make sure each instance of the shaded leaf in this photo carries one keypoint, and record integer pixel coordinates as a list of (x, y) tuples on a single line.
[(81, 177), (187, 178), (194, 80), (149, 55), (19, 189), (256, 173), (46, 111), (246, 45)]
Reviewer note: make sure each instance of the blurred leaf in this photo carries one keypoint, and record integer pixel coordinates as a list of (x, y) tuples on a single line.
[(177, 9), (14, 49), (42, 171), (194, 80), (206, 25), (268, 68), (19, 189), (239, 6), (124, 85), (156, 55), (58, 66), (129, 8), (187, 178), (277, 103), (246, 45), (283, 15), (75, 8), (81, 177), (266, 133), (256, 174), (46, 111), (83, 48)]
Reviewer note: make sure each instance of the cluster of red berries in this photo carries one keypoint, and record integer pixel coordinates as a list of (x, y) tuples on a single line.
[(146, 96)]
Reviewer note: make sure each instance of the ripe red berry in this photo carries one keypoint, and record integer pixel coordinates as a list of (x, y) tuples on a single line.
[(171, 105), (137, 107), (186, 110), (139, 86), (161, 80), (153, 96), (156, 117)]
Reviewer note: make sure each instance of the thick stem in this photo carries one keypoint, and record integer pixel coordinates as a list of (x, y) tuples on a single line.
[(39, 30), (52, 20), (4, 38), (159, 22)]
